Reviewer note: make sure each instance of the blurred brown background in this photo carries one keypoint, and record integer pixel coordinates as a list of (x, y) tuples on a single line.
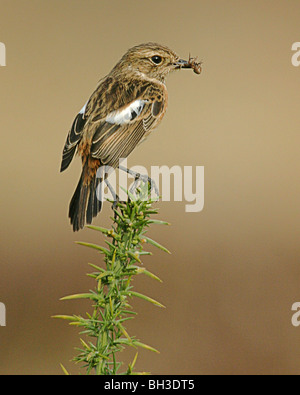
[(234, 272)]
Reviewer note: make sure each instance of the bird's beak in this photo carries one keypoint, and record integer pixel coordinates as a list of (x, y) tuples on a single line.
[(183, 64)]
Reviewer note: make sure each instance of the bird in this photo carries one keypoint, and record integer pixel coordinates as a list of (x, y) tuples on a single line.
[(126, 106)]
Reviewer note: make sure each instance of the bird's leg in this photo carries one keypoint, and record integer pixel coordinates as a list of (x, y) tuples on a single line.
[(140, 177), (135, 183), (116, 198)]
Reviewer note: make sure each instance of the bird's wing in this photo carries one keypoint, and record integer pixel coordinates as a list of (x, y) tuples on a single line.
[(115, 119), (122, 129), (73, 138)]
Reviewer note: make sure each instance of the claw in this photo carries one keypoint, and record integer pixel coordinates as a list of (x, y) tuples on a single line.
[(140, 177)]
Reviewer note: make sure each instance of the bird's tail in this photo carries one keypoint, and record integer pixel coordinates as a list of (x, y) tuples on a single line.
[(86, 202)]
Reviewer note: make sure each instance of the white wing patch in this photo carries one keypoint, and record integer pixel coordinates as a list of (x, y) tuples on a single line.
[(127, 114), (82, 111)]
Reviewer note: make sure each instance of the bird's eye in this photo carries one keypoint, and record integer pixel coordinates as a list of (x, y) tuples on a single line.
[(156, 59)]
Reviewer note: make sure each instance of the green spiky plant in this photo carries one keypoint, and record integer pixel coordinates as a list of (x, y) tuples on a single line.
[(123, 255)]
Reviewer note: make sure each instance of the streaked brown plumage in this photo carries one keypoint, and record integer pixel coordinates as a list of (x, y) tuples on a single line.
[(125, 107)]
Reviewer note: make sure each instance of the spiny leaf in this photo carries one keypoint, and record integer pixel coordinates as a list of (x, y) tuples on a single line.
[(80, 296), (94, 246), (156, 244), (123, 330), (66, 317), (64, 370), (134, 256), (158, 222), (142, 270), (98, 228), (147, 298), (140, 373), (134, 361), (84, 344), (143, 345), (96, 267), (105, 274), (136, 343)]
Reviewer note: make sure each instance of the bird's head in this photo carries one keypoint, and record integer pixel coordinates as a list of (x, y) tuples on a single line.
[(151, 60)]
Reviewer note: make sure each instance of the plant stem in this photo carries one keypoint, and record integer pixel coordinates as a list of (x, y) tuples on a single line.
[(111, 309)]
